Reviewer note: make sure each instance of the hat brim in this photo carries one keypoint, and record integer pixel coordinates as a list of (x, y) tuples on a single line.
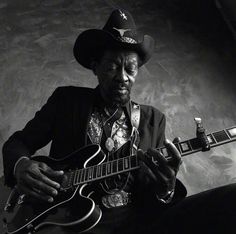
[(91, 42)]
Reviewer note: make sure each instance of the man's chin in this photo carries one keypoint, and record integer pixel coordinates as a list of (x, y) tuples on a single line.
[(120, 100)]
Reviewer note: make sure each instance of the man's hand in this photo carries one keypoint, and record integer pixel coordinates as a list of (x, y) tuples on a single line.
[(37, 179), (160, 170)]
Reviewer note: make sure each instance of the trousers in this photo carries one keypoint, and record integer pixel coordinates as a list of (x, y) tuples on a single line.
[(212, 211)]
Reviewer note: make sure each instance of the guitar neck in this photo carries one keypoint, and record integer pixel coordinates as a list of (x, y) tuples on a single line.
[(129, 163), (215, 139)]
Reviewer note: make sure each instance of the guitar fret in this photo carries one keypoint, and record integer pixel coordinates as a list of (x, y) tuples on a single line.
[(90, 173), (83, 175), (194, 144), (232, 132), (95, 172), (185, 146), (164, 152), (104, 169), (75, 177), (120, 164), (177, 145), (227, 134), (129, 158), (211, 139), (114, 166), (133, 160), (98, 170), (220, 136), (87, 174), (108, 168), (214, 138), (191, 144), (78, 177), (70, 178), (126, 162)]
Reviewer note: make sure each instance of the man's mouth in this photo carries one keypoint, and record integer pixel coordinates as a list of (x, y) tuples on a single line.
[(122, 89)]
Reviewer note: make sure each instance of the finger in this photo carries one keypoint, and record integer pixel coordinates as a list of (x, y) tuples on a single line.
[(48, 171), (160, 168), (143, 164), (174, 153), (40, 186), (176, 140), (146, 171), (147, 160), (39, 176), (39, 196), (165, 182), (160, 164)]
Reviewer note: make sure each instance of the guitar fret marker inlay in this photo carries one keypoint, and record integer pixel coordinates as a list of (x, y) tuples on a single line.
[(164, 152), (210, 139), (232, 132), (185, 146)]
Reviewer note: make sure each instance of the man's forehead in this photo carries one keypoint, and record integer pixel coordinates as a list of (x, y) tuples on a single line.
[(120, 55)]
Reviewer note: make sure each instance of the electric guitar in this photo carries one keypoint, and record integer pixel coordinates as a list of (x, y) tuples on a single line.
[(73, 208)]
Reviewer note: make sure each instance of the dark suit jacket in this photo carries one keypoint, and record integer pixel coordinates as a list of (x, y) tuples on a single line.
[(64, 121)]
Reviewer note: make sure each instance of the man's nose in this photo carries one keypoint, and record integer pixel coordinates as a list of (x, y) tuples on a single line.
[(122, 75)]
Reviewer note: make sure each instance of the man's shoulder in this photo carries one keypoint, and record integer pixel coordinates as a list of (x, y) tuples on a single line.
[(150, 110), (73, 90)]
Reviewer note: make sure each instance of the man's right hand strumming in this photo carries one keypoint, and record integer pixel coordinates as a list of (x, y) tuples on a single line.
[(37, 180)]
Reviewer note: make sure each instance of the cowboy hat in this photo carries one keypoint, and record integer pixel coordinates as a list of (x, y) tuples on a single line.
[(119, 32)]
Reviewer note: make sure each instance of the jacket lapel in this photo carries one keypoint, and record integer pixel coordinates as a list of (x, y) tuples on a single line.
[(83, 106)]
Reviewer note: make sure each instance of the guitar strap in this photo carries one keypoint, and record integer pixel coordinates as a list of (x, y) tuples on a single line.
[(135, 120)]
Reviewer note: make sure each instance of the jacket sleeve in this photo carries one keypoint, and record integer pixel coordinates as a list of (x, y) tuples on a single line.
[(36, 134)]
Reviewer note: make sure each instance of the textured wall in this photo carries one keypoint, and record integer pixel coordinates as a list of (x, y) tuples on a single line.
[(192, 72)]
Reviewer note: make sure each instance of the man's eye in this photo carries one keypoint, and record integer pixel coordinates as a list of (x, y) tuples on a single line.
[(111, 67), (131, 70)]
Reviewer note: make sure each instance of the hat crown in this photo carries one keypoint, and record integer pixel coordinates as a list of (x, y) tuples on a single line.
[(122, 26)]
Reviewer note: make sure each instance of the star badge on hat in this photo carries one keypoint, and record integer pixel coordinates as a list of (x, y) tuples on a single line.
[(122, 14)]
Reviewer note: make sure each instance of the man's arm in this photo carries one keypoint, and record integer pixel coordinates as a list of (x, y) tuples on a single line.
[(162, 173), (36, 134)]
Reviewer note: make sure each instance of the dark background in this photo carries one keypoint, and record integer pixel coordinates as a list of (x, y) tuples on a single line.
[(192, 72)]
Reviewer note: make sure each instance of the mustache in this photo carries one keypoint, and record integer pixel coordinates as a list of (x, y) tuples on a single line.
[(121, 86)]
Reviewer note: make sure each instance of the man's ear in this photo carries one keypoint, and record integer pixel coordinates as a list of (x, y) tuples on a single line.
[(94, 67)]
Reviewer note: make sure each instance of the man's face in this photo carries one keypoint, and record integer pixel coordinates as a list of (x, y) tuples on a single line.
[(116, 72)]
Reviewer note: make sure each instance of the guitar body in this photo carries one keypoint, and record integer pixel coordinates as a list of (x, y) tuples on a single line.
[(72, 208)]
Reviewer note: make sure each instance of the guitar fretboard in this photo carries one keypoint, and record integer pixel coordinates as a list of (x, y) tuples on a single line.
[(129, 163)]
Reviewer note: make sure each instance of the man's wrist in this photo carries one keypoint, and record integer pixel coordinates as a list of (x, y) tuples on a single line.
[(17, 163), (167, 198)]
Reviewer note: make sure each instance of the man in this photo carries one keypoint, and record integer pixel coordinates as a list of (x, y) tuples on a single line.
[(150, 199)]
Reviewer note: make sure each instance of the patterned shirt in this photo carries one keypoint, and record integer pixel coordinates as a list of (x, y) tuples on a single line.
[(120, 133)]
